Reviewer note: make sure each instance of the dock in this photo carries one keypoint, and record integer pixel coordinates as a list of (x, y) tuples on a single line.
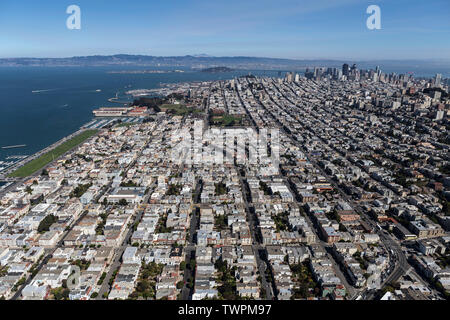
[(16, 146)]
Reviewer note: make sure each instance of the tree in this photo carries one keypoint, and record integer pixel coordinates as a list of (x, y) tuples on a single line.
[(44, 172), (123, 202), (180, 284), (61, 293), (143, 285), (28, 190), (80, 190), (128, 184), (221, 265), (102, 277), (3, 271), (46, 223), (221, 222), (221, 188), (264, 187), (183, 265), (174, 189)]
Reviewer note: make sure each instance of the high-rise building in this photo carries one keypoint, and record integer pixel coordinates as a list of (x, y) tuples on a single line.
[(289, 77), (437, 80), (378, 71), (345, 69), (353, 70), (375, 77)]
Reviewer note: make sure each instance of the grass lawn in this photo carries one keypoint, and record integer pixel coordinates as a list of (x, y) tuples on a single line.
[(38, 163), (226, 120)]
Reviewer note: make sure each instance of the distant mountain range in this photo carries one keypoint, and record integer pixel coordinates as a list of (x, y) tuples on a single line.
[(206, 61)]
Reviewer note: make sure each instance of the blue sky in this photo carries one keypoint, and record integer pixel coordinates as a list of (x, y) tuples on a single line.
[(336, 29)]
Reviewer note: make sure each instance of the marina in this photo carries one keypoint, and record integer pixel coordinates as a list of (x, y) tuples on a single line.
[(4, 185), (19, 157), (4, 165), (102, 123)]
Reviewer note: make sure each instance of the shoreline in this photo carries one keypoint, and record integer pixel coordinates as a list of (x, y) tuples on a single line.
[(8, 175)]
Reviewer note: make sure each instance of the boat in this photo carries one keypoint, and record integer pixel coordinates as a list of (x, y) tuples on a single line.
[(45, 90)]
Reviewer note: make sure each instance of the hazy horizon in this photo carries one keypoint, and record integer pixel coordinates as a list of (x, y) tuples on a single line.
[(285, 29), (205, 55)]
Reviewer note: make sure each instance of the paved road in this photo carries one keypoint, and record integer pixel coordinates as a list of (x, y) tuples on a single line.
[(258, 248), (387, 241), (353, 292), (49, 252), (326, 247), (268, 287), (105, 287), (61, 242), (19, 181), (186, 293)]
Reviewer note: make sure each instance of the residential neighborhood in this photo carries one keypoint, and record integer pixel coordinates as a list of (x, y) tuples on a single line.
[(346, 199)]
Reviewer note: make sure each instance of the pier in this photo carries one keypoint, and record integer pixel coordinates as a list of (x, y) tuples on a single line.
[(16, 146)]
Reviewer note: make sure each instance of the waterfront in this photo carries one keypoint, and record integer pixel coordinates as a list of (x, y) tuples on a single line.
[(40, 105), (298, 227)]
